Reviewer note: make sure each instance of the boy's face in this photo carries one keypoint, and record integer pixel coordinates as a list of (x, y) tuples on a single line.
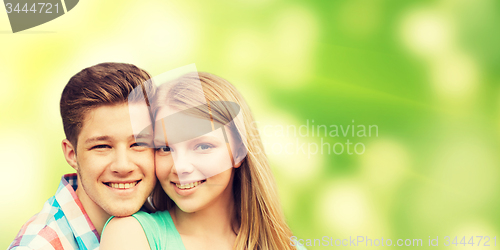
[(115, 172)]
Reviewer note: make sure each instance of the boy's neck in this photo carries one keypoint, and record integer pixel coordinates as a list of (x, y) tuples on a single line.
[(96, 214)]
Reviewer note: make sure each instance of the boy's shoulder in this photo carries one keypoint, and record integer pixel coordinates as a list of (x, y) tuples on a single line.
[(61, 224)]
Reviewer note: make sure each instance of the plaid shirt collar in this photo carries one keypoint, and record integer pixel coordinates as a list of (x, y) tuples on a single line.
[(73, 209), (61, 224)]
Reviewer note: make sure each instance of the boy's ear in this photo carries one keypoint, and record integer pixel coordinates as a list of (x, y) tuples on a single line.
[(69, 153)]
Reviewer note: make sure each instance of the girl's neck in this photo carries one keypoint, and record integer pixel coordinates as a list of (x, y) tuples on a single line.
[(216, 220)]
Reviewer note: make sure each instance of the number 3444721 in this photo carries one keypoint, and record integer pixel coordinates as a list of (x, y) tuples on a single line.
[(472, 241), (34, 8)]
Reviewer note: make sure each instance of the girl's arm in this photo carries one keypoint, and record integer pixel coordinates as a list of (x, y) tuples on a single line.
[(124, 233)]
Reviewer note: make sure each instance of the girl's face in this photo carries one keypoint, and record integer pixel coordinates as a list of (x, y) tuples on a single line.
[(195, 171)]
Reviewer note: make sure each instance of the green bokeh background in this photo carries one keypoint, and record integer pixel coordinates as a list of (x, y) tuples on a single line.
[(426, 73)]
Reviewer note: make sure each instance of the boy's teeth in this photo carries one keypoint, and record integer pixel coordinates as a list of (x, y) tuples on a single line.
[(123, 185), (188, 185)]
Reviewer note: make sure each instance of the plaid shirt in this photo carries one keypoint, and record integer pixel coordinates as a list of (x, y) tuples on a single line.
[(62, 223)]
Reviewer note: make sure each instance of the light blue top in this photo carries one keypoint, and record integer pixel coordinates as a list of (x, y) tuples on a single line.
[(161, 232), (159, 229)]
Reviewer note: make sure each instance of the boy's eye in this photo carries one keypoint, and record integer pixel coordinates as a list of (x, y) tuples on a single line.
[(140, 144), (100, 146)]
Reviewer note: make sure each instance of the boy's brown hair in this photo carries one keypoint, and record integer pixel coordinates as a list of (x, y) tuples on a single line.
[(99, 85)]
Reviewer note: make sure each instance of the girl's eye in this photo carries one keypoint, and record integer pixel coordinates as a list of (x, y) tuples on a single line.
[(164, 149), (204, 146)]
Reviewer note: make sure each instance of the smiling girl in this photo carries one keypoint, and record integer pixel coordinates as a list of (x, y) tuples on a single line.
[(216, 189)]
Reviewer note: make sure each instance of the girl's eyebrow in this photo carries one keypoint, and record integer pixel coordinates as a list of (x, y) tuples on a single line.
[(158, 143), (205, 136), (143, 135), (208, 138)]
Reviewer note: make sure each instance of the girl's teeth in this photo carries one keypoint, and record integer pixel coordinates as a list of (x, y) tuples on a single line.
[(188, 185)]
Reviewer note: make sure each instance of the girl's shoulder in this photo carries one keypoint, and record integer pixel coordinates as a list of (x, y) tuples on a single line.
[(123, 233), (160, 230), (160, 219)]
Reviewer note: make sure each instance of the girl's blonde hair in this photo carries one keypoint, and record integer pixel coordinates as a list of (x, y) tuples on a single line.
[(258, 212)]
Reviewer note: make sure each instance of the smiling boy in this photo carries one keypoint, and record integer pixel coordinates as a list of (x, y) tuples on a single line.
[(114, 172)]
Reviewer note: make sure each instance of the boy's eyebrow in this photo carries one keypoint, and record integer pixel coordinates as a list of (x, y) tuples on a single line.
[(98, 138), (108, 138)]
